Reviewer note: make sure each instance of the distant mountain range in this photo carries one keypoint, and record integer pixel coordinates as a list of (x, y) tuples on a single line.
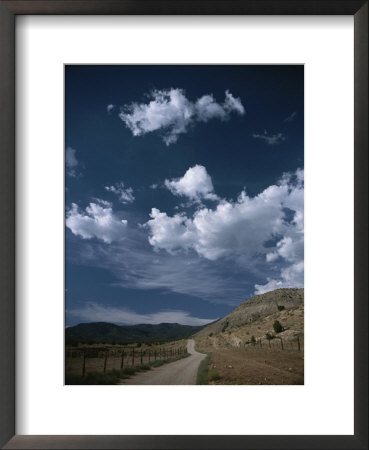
[(253, 317), (103, 332)]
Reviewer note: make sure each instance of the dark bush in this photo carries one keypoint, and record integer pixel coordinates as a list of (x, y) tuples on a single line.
[(277, 326), (281, 307)]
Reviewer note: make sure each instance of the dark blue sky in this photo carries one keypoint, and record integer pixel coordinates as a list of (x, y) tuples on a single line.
[(144, 137)]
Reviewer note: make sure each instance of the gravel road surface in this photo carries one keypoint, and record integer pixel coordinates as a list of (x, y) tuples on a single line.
[(183, 371)]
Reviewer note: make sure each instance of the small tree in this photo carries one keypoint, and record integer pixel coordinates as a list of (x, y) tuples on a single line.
[(269, 336), (281, 307), (277, 326), (253, 340)]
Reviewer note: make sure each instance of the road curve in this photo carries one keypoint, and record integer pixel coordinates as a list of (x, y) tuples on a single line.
[(183, 371)]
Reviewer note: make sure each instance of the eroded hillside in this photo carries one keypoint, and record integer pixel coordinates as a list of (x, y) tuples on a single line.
[(253, 321)]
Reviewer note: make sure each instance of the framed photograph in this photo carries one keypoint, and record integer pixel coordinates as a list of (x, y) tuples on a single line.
[(168, 278), (174, 312)]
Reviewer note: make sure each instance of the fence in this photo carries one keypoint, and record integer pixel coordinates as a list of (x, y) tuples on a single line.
[(83, 361), (277, 343)]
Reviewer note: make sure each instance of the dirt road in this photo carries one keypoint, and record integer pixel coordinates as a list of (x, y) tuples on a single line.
[(183, 371)]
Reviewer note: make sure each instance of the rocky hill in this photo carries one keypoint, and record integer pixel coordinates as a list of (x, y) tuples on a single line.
[(255, 318)]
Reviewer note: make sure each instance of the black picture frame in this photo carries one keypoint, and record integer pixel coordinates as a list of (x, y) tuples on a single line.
[(8, 12)]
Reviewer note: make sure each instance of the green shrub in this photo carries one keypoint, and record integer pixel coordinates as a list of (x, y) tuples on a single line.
[(203, 370), (157, 363), (281, 307), (128, 370), (269, 336), (252, 340), (277, 326), (213, 375)]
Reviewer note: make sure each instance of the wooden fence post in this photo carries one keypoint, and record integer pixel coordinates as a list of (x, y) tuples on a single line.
[(141, 357), (269, 343), (122, 360), (282, 344), (298, 343), (105, 360), (84, 364), (133, 356)]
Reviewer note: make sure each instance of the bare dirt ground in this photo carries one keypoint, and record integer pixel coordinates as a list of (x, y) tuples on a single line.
[(256, 366), (180, 372)]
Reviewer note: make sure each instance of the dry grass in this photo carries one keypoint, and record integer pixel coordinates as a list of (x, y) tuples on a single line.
[(235, 360), (256, 367), (95, 360)]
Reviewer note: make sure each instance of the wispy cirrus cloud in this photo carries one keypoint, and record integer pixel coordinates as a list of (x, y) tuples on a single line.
[(136, 266), (273, 139), (172, 113), (71, 162), (95, 312), (110, 108), (125, 194), (291, 117)]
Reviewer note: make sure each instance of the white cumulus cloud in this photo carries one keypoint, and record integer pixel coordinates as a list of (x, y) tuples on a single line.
[(125, 194), (171, 112), (239, 229), (196, 184), (292, 276), (233, 227), (97, 221)]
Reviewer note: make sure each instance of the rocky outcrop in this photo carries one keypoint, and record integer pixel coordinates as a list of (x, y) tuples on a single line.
[(256, 308)]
